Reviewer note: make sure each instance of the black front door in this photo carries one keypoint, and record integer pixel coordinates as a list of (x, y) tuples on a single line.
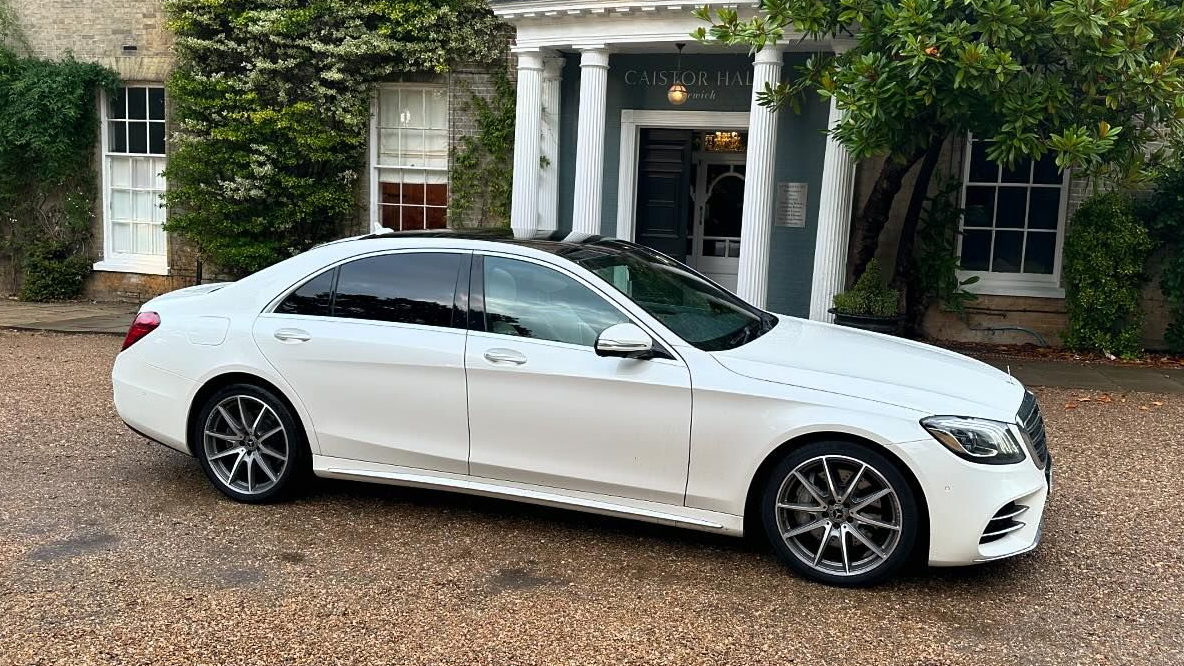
[(664, 190)]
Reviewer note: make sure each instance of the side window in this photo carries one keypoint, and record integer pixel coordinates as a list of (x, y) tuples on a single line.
[(312, 298), (533, 301), (403, 288)]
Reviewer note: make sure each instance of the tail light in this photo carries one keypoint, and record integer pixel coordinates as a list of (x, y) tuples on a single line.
[(145, 323)]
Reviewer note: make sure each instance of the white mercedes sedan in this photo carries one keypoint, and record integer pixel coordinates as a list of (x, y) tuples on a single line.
[(592, 374)]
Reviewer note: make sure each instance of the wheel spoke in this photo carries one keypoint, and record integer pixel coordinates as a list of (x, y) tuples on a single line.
[(852, 483), (273, 453), (241, 414), (873, 522), (230, 421), (809, 487), (855, 532), (223, 437), (266, 468), (830, 484), (821, 522), (822, 545), (870, 498), (269, 433), (227, 452), (255, 425), (250, 474), (808, 508), (234, 468), (843, 546)]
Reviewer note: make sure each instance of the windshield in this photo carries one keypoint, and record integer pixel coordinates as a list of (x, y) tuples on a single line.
[(697, 310)]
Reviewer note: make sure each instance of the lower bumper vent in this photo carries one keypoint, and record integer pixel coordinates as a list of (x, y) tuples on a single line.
[(1004, 522)]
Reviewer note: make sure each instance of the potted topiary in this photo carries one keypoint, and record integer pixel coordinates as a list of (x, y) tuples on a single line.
[(869, 305)]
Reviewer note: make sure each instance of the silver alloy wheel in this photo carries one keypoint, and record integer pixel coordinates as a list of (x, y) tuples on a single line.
[(246, 444), (838, 515)]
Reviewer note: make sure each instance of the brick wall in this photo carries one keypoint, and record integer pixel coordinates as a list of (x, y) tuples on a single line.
[(464, 82)]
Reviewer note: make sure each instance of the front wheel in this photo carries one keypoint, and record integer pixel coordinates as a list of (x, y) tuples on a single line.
[(249, 444), (840, 513)]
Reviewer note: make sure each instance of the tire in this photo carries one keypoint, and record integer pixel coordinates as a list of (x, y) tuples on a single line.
[(262, 462), (877, 529)]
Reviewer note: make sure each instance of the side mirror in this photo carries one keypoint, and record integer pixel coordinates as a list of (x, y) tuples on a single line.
[(627, 340)]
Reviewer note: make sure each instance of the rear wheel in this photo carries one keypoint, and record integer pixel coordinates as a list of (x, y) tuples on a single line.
[(249, 444), (840, 513)]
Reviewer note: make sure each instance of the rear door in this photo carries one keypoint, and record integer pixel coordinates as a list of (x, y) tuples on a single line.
[(375, 350)]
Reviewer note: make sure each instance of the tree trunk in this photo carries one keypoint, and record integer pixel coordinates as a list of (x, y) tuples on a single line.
[(872, 218), (903, 277)]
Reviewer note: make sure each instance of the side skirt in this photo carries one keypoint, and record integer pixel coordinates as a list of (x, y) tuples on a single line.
[(653, 512)]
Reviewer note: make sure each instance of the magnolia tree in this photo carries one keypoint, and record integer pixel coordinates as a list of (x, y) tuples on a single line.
[(1097, 82)]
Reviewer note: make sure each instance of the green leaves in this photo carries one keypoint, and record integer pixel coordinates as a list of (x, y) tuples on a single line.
[(272, 103), (869, 296), (1031, 76)]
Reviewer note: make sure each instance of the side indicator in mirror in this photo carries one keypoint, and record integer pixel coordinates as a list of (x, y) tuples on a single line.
[(625, 340)]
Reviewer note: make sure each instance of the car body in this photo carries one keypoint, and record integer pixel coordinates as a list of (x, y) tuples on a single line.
[(448, 392)]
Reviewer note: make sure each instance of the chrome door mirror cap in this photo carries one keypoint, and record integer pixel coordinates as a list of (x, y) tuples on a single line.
[(627, 340)]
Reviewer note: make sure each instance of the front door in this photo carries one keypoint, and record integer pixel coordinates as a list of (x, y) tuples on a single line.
[(545, 409), (718, 200)]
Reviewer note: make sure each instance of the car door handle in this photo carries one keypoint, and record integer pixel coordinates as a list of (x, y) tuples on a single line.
[(510, 356), (292, 335)]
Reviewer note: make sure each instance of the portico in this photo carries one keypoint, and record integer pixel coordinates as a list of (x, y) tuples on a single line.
[(760, 201)]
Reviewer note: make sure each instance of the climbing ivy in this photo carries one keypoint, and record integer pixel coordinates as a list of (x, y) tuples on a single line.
[(271, 102), (484, 166), (48, 126)]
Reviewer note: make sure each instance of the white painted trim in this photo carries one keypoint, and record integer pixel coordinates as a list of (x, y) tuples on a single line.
[(632, 120), (1016, 284), (123, 262), (373, 150)]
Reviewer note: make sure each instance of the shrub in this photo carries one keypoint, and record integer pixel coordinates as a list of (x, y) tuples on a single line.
[(1165, 215), (53, 272), (1105, 253), (870, 296)]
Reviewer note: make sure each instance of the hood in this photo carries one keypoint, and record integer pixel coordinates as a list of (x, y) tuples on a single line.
[(890, 370)]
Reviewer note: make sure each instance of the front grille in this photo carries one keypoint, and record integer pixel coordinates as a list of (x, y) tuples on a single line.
[(1032, 423), (1003, 523)]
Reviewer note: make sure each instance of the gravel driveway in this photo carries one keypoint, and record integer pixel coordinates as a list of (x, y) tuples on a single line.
[(116, 550)]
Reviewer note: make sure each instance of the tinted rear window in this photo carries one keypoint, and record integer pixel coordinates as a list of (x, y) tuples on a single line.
[(403, 288), (312, 298)]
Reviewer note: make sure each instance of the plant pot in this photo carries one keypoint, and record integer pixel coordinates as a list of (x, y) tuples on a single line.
[(889, 325)]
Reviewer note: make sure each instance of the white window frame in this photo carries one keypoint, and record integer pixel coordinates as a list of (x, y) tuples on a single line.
[(376, 167), (122, 262), (1016, 284)]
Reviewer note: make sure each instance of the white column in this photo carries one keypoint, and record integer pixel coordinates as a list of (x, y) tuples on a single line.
[(549, 165), (756, 232), (834, 223), (589, 179), (524, 202)]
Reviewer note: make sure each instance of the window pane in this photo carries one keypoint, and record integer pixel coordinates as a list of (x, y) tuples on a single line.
[(137, 137), (121, 205), (142, 169), (391, 192), (411, 108), (158, 167), (1045, 208), (1038, 256), (143, 239), (118, 104), (1047, 171), (976, 250), (118, 137), (981, 169), (145, 201), (413, 193), (121, 237), (156, 138), (121, 171), (980, 206), (388, 146), (437, 111), (388, 107), (404, 288), (156, 103), (312, 298), (390, 217), (437, 194), (436, 147), (137, 103), (411, 148), (435, 218), (1011, 202), (533, 301), (413, 218), (1020, 173), (1008, 247)]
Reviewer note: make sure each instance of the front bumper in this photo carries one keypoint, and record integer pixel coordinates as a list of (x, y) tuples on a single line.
[(963, 497)]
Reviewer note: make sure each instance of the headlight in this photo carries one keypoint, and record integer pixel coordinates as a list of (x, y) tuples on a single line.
[(977, 440)]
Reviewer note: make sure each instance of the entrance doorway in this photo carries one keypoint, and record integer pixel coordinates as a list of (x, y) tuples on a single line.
[(690, 197)]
